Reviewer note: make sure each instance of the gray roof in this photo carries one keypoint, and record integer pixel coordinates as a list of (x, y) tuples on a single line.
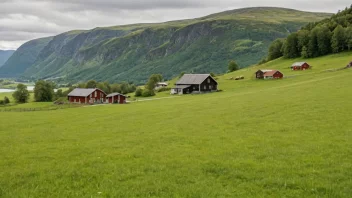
[(81, 92), (192, 79), (181, 86), (114, 94), (298, 64)]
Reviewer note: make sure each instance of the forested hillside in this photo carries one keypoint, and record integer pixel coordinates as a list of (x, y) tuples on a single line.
[(133, 52), (331, 35)]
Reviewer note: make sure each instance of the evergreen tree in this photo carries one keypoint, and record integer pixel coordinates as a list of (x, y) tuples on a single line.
[(324, 40), (291, 50), (275, 50), (338, 39)]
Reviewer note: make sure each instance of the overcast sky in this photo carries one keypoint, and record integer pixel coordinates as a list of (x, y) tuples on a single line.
[(23, 20)]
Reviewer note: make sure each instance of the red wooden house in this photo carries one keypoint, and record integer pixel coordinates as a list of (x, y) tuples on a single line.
[(300, 66), (116, 98), (87, 96), (268, 74)]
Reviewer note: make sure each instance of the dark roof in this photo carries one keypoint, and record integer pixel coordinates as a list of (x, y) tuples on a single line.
[(82, 92), (193, 79), (181, 86), (298, 64), (114, 94)]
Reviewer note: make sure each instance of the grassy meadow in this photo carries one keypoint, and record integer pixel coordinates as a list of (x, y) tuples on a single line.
[(256, 138)]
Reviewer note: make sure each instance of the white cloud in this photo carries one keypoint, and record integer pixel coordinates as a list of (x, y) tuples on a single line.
[(23, 20)]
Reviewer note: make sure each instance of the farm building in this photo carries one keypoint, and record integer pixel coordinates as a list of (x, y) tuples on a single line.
[(268, 74), (116, 98), (161, 85), (86, 96), (300, 66), (195, 83)]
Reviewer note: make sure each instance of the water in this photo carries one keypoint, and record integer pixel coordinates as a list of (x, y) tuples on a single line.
[(29, 88)]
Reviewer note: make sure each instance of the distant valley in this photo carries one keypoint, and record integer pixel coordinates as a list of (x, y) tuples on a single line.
[(5, 55), (133, 52)]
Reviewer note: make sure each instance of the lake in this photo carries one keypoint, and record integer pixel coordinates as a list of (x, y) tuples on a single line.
[(30, 88)]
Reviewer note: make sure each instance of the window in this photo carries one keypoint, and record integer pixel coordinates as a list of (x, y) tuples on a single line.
[(205, 87), (208, 80), (210, 87), (194, 88)]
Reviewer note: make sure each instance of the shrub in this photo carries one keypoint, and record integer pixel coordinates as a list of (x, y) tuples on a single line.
[(139, 92), (6, 100), (163, 89), (148, 93)]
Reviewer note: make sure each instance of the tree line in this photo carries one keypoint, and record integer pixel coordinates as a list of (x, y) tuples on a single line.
[(44, 90), (331, 35)]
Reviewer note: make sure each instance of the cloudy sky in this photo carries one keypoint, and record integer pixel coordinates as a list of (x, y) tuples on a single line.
[(23, 20)]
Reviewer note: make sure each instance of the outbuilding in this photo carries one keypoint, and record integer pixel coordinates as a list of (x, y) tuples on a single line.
[(87, 96), (195, 83), (269, 74), (116, 98), (300, 66)]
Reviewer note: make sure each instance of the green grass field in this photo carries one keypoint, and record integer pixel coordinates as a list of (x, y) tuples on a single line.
[(272, 138)]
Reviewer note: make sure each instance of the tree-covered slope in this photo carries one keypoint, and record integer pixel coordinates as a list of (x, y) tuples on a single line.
[(23, 58), (331, 35), (133, 52), (5, 55)]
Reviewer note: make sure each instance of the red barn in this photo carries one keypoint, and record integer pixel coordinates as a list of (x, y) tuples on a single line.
[(300, 66), (268, 74), (87, 96), (273, 74), (116, 98)]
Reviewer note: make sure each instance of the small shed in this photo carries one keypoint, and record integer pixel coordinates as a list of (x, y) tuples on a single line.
[(161, 85), (116, 98), (300, 66)]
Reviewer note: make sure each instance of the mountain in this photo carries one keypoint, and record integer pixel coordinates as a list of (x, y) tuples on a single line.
[(23, 58), (5, 55), (133, 52)]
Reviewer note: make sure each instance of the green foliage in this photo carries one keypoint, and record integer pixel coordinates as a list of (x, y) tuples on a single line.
[(212, 74), (321, 38), (139, 92), (148, 93), (232, 66), (163, 89), (348, 35), (21, 95), (43, 91), (291, 50), (275, 50), (92, 84), (105, 86), (6, 100), (338, 41), (303, 39), (153, 80), (324, 40)]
